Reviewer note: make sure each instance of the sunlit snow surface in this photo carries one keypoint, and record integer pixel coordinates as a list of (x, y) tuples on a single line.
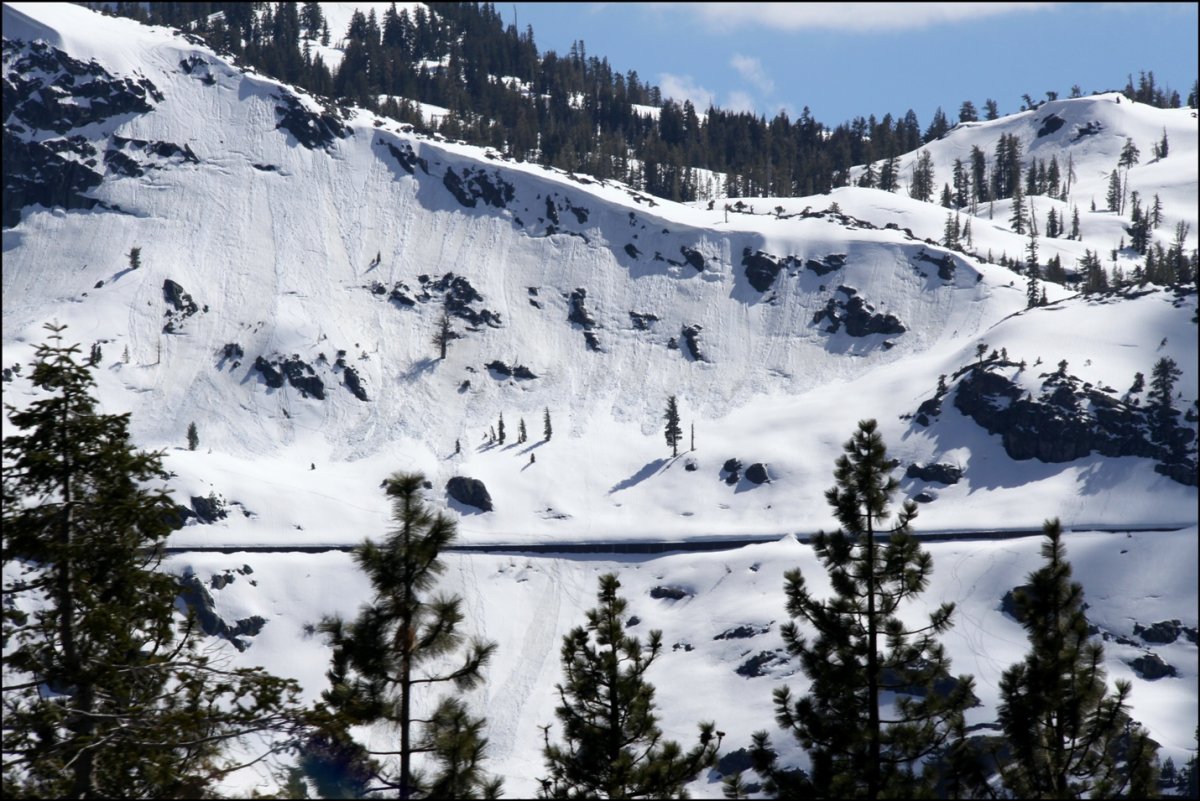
[(528, 602), (283, 260)]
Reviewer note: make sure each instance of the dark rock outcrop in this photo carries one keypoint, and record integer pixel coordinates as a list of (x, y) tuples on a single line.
[(469, 491), (643, 320), (1068, 421), (475, 185), (691, 335), (1151, 667), (1050, 124), (670, 593), (829, 264), (743, 632), (198, 599), (758, 664), (1164, 632), (516, 371), (693, 257), (945, 264), (761, 270), (313, 129), (578, 314), (757, 474), (858, 316), (408, 159), (353, 383), (939, 471), (459, 298), (732, 470), (210, 509), (182, 306)]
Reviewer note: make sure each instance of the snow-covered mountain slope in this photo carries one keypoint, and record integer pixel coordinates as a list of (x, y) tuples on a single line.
[(295, 264), (322, 242), (723, 654)]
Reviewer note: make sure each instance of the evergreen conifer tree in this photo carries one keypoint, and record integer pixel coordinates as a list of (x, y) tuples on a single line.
[(381, 664), (500, 429), (862, 649), (673, 432), (521, 436), (1068, 736), (1113, 197), (613, 747), (193, 436), (547, 430), (135, 258), (443, 334), (1018, 218), (103, 697)]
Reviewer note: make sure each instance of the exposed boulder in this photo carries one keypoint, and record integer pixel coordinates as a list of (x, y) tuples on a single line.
[(692, 257), (313, 129), (670, 593), (407, 159), (859, 317), (743, 632), (198, 599), (182, 306), (691, 335), (829, 264), (732, 470), (353, 383), (758, 664), (1150, 666), (1161, 633), (642, 320), (757, 473), (210, 509), (761, 269), (469, 491), (940, 472)]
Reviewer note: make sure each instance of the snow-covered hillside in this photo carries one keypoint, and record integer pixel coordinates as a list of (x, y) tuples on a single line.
[(295, 263), (328, 253)]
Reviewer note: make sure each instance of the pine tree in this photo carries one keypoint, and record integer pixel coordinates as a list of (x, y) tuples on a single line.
[(500, 429), (1032, 272), (862, 649), (547, 430), (103, 697), (1113, 197), (193, 436), (521, 436), (443, 334), (922, 177), (1160, 401), (1069, 737), (672, 430), (1074, 223), (135, 258), (384, 661), (613, 747), (1094, 277), (1018, 219)]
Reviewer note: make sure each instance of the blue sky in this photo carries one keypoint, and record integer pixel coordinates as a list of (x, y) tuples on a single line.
[(849, 59)]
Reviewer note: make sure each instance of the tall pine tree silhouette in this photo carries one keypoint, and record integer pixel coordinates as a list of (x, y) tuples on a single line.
[(613, 747), (385, 660), (863, 653), (1069, 736)]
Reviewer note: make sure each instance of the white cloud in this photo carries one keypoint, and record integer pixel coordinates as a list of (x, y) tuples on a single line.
[(849, 16), (683, 87), (751, 69), (739, 102)]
